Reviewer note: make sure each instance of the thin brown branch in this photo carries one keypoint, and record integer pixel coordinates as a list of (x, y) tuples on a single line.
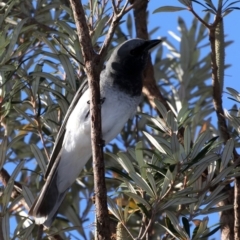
[(115, 19), (93, 68), (150, 88), (199, 18), (230, 224)]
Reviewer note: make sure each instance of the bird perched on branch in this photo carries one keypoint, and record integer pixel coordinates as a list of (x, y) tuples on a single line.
[(120, 88)]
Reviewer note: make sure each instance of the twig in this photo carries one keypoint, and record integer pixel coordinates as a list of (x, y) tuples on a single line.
[(190, 8), (93, 67), (227, 226), (114, 23)]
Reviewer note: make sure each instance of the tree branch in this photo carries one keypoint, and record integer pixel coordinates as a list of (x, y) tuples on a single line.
[(93, 67), (228, 225), (115, 19)]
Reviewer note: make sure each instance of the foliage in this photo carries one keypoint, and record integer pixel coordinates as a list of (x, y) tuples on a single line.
[(158, 185)]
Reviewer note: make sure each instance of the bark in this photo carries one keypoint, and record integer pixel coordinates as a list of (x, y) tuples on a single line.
[(93, 68)]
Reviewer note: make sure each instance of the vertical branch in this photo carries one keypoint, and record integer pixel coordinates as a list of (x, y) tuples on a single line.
[(230, 225), (150, 89), (93, 68)]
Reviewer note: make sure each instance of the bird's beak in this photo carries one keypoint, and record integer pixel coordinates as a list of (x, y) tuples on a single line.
[(151, 43)]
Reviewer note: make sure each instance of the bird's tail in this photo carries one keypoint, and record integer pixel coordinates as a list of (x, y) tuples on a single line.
[(46, 205)]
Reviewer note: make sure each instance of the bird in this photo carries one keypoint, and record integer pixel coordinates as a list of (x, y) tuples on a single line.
[(121, 85)]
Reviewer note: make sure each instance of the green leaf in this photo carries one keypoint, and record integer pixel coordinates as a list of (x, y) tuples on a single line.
[(152, 183), (140, 159), (155, 143), (197, 147), (161, 108), (28, 196), (222, 175), (3, 150), (227, 154), (67, 65), (169, 9), (138, 199), (29, 119), (169, 231), (14, 39), (172, 122), (201, 228), (114, 209), (167, 180), (175, 223), (210, 233), (36, 80), (8, 189), (5, 226), (39, 157), (140, 182), (175, 147), (186, 225), (187, 140), (124, 161), (28, 231)]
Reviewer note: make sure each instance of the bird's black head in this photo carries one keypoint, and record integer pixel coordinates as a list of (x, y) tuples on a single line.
[(127, 63), (131, 56)]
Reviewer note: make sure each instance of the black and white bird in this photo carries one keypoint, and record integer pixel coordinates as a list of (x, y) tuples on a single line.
[(120, 87)]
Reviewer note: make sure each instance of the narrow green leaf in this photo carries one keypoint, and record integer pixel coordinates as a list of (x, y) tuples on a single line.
[(67, 65), (154, 142), (161, 108), (29, 119), (8, 189), (211, 232), (28, 196), (175, 223), (187, 140), (222, 175), (113, 208), (3, 150), (152, 183), (140, 159), (197, 173), (36, 80), (140, 182), (5, 226), (167, 180), (227, 154), (28, 231), (14, 39), (125, 162), (138, 199), (169, 231), (197, 147), (175, 147), (186, 225), (39, 157), (168, 9), (172, 122)]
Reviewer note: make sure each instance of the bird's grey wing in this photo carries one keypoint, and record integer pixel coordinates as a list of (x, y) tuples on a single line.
[(47, 203), (55, 156)]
